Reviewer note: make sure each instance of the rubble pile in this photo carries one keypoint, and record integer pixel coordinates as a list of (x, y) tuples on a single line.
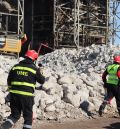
[(74, 88)]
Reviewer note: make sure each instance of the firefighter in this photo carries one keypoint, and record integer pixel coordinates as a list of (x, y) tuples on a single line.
[(111, 79), (21, 83)]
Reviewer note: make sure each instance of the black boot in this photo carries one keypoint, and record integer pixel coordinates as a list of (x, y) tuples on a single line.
[(101, 108), (6, 125)]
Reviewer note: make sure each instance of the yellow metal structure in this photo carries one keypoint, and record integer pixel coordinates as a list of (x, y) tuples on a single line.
[(10, 45)]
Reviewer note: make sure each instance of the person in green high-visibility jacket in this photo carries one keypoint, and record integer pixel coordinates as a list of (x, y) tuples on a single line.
[(21, 80), (111, 79)]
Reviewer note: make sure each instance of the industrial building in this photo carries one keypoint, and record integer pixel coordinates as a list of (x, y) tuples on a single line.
[(60, 23)]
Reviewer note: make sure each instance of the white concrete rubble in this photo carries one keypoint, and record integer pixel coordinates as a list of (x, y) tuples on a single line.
[(74, 85)]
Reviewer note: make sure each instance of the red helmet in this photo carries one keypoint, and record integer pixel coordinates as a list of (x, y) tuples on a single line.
[(117, 59), (32, 54)]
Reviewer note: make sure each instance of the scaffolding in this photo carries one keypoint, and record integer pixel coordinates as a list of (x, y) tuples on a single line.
[(70, 23), (11, 17), (63, 23), (80, 22)]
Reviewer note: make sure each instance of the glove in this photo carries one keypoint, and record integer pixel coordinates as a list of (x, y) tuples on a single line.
[(40, 65), (41, 68)]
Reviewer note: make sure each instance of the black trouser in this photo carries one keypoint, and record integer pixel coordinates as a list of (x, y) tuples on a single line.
[(113, 91), (18, 104)]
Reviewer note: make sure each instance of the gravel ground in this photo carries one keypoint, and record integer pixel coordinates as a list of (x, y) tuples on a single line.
[(106, 122)]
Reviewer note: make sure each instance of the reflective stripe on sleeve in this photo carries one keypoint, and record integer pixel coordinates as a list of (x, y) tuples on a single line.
[(27, 126), (24, 68), (23, 83), (21, 92)]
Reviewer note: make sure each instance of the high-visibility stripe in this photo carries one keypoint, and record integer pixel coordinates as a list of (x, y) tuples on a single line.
[(27, 126), (21, 92), (24, 68), (11, 122), (23, 83), (112, 68)]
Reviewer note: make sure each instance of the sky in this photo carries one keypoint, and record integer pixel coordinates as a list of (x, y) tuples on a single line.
[(117, 23)]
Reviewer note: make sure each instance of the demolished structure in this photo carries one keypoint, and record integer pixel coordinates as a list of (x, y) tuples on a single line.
[(61, 23), (74, 75)]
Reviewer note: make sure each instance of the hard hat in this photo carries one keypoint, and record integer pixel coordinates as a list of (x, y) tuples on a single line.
[(117, 59), (32, 54)]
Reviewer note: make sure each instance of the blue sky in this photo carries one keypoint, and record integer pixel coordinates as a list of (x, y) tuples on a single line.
[(117, 23)]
